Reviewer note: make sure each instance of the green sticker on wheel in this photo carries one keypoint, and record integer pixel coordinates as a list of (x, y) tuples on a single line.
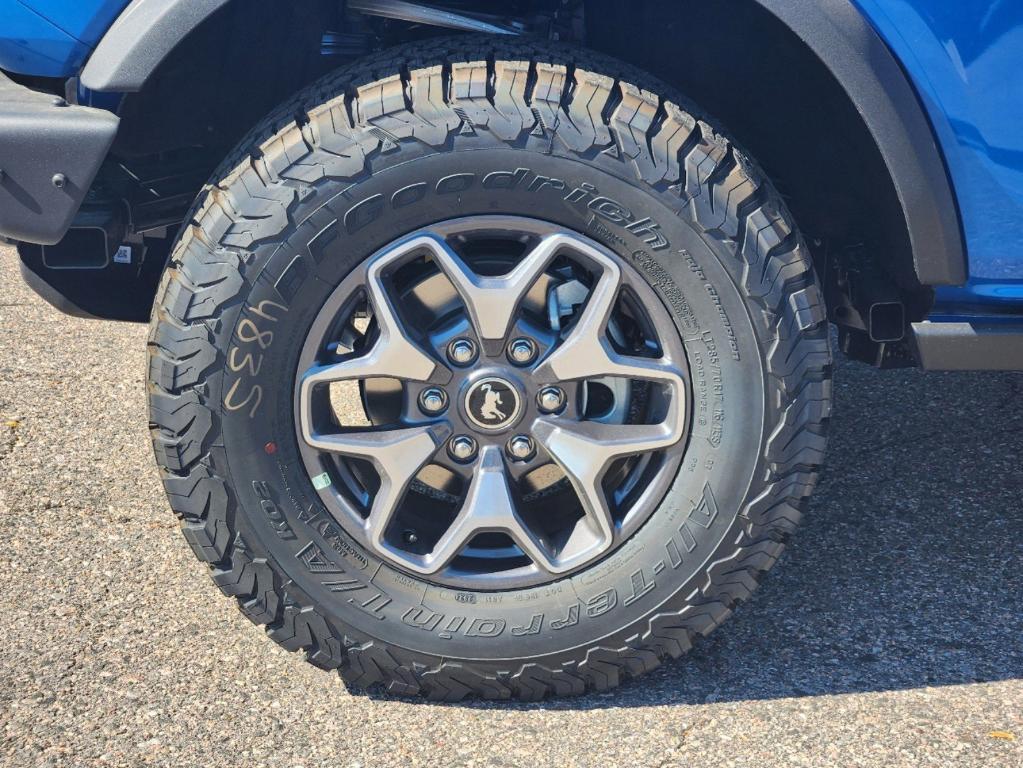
[(321, 481)]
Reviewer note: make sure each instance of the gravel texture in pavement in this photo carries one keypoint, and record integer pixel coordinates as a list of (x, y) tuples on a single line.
[(891, 634)]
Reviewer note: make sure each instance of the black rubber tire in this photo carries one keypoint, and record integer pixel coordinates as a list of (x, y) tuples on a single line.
[(408, 138)]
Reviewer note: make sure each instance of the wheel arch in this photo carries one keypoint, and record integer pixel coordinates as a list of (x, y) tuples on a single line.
[(808, 64), (845, 75), (846, 43)]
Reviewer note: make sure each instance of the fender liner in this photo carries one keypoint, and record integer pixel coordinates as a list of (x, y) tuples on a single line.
[(835, 30)]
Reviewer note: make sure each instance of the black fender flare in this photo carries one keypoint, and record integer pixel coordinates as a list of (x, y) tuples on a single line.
[(857, 57), (139, 39), (835, 30)]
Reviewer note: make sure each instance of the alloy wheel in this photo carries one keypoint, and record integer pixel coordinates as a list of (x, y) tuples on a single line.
[(492, 402)]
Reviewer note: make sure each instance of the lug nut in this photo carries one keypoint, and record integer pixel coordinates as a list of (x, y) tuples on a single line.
[(551, 399), (462, 448), (433, 401), (462, 351), (520, 447), (522, 351)]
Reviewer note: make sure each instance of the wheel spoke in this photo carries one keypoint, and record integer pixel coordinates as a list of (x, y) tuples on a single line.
[(393, 355), (586, 352), (397, 456), (492, 302), (488, 507), (584, 450)]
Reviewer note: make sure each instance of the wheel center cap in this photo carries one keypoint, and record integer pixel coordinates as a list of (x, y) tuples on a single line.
[(492, 404)]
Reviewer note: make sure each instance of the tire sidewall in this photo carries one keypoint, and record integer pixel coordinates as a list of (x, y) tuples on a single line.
[(279, 514)]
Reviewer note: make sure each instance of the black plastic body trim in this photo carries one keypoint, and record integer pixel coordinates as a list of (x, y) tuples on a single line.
[(54, 297), (969, 346), (115, 290), (140, 38), (854, 53), (50, 152)]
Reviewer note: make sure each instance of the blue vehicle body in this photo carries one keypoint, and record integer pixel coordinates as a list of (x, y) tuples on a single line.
[(964, 58), (52, 38)]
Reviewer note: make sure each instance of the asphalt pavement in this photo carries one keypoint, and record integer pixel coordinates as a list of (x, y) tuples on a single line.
[(891, 633)]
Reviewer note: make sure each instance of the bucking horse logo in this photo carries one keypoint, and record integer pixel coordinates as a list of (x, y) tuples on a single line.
[(491, 401)]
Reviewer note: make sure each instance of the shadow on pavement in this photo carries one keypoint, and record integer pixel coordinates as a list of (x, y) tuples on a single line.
[(908, 569)]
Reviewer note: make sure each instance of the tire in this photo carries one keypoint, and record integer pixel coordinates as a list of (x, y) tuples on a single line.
[(400, 142)]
